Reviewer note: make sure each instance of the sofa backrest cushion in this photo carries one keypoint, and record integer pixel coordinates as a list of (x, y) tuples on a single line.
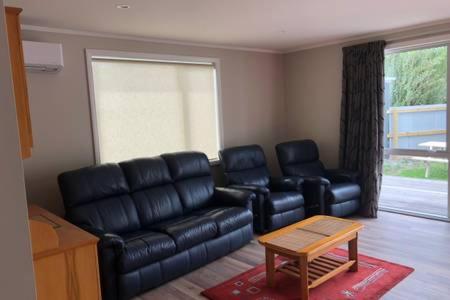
[(245, 165), (192, 178), (152, 190), (299, 158), (98, 196)]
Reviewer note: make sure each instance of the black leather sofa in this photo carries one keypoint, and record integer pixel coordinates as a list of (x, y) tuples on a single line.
[(157, 218), (333, 192), (279, 200)]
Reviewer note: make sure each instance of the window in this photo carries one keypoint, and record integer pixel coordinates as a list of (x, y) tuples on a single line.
[(416, 99), (145, 105)]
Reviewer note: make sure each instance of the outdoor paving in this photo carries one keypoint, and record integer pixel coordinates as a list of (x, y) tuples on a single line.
[(420, 195)]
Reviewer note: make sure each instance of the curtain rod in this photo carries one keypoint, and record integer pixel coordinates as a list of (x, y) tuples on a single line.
[(404, 36), (417, 36)]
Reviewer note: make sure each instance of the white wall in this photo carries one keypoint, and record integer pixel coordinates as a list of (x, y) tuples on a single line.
[(16, 275), (252, 106)]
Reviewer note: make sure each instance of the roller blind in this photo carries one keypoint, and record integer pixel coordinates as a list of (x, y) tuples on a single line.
[(145, 108)]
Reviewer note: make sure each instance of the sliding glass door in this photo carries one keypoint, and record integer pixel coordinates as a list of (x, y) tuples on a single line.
[(415, 173)]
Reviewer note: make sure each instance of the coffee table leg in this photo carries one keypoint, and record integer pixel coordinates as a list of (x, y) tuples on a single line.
[(353, 253), (304, 290), (270, 268)]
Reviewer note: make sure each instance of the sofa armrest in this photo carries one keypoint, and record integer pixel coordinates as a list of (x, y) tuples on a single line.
[(286, 184), (342, 175), (111, 240), (107, 240), (258, 190), (234, 197), (109, 248)]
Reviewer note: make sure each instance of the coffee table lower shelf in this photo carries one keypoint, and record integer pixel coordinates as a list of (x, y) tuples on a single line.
[(319, 270)]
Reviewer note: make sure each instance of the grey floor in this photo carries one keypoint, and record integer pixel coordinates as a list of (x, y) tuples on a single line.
[(416, 242), (420, 195)]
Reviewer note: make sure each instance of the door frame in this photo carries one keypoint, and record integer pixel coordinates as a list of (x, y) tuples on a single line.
[(419, 45)]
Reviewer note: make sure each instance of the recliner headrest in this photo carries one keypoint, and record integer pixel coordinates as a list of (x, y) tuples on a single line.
[(187, 164), (242, 158), (296, 152)]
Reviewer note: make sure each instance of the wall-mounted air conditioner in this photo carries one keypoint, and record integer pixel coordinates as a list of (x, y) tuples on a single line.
[(43, 57)]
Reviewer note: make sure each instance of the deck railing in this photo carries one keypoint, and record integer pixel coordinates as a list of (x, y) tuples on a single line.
[(408, 126)]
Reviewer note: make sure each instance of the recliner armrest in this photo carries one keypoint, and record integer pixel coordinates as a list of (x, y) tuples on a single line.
[(286, 184), (234, 197), (342, 175), (259, 190), (107, 240), (318, 180)]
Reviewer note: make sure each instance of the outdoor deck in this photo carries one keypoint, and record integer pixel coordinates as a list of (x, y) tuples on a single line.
[(421, 195)]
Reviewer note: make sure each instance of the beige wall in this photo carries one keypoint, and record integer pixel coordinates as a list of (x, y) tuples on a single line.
[(16, 276), (313, 94), (252, 105), (313, 90)]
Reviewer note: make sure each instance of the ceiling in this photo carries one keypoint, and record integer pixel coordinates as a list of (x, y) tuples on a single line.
[(276, 25)]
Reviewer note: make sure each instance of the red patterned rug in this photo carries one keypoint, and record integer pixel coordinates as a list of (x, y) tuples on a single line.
[(374, 278)]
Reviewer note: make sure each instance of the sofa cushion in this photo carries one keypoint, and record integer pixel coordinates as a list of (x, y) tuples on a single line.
[(284, 201), (227, 219), (193, 181), (143, 248), (142, 173), (157, 204), (152, 190), (188, 231), (92, 183), (187, 164), (98, 197), (113, 215), (341, 192)]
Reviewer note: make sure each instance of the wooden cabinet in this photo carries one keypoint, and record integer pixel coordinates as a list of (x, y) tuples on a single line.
[(65, 258), (19, 79)]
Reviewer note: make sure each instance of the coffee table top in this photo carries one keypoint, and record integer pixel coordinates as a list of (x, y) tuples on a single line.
[(310, 234)]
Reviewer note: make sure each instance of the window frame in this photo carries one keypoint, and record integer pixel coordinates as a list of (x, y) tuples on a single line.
[(420, 44), (92, 54)]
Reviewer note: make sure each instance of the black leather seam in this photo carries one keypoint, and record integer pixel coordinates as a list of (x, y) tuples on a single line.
[(126, 212), (151, 187), (191, 177), (246, 169), (100, 199), (148, 200), (100, 215)]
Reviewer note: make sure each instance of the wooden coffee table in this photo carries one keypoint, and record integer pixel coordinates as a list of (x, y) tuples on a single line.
[(305, 244)]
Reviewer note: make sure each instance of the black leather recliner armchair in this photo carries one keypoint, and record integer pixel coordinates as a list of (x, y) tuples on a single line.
[(332, 192), (279, 200), (157, 218)]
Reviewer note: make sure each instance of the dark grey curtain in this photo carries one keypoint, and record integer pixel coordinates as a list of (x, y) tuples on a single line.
[(362, 119)]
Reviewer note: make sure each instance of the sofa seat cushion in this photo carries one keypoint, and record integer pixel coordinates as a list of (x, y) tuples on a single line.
[(342, 192), (227, 219), (189, 231), (143, 248), (284, 201)]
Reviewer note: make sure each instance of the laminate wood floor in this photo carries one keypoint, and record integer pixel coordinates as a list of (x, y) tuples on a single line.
[(419, 243)]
